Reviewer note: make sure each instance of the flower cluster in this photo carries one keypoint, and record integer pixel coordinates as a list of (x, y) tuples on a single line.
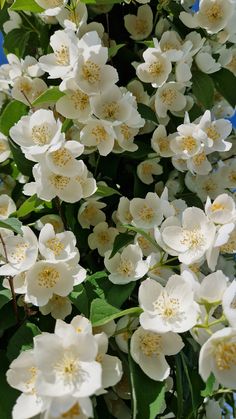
[(117, 208)]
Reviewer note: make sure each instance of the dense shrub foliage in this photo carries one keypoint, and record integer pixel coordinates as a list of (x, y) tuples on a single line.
[(117, 209)]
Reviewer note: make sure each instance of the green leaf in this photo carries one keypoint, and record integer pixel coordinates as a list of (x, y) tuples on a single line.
[(104, 190), (147, 113), (148, 395), (117, 295), (120, 241), (208, 390), (11, 114), (15, 41), (225, 83), (26, 6), (185, 368), (50, 95), (29, 206), (112, 51), (7, 317), (8, 394), (203, 89), (67, 124), (101, 312), (2, 2), (24, 166), (22, 339), (79, 299), (12, 224), (5, 296)]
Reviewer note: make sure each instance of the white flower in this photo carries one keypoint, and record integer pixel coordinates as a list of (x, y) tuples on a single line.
[(129, 323), (75, 103), (213, 15), (137, 90), (155, 69), (167, 309), (36, 133), (100, 134), (140, 26), (169, 97), (146, 246), (123, 211), (58, 306), (68, 406), (126, 266), (57, 246), (222, 210), (193, 239), (217, 355), (206, 63), (4, 148), (26, 90), (188, 141), (112, 106), (229, 304), (53, 219), (62, 61), (7, 206), (102, 238), (48, 184), (157, 271), (148, 349), (146, 212), (111, 365), (46, 278), (52, 7), (216, 131), (14, 22), (73, 19), (61, 158), (147, 168), (212, 288), (22, 252), (90, 213), (67, 363), (160, 142)]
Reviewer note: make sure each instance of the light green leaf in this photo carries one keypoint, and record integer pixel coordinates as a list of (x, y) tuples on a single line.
[(120, 241), (101, 312), (147, 113), (225, 83), (50, 95), (112, 51), (203, 89), (29, 206), (208, 390), (12, 224), (148, 396), (104, 190), (26, 6), (11, 114), (2, 2)]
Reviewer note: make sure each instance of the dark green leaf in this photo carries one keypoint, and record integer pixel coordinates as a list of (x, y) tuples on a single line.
[(148, 395), (7, 316), (50, 95), (203, 89), (24, 166), (117, 294), (12, 224), (147, 113), (11, 114), (80, 300), (15, 42), (5, 296), (225, 83), (27, 6), (120, 241), (101, 312), (29, 206), (21, 340), (8, 394)]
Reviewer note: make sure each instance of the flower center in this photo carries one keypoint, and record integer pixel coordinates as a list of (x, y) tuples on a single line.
[(126, 132), (156, 68), (110, 110), (125, 267), (18, 254), (3, 146), (61, 157), (80, 100), (214, 13), (225, 355), (62, 55), (103, 238), (48, 277), (146, 213), (41, 134), (141, 26), (99, 133), (168, 96), (199, 159), (212, 133), (217, 207), (188, 143), (58, 181), (166, 306), (3, 209), (73, 412), (91, 72), (193, 238), (150, 344), (55, 245)]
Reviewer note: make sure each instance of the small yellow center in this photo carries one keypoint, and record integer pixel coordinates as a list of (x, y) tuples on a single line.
[(41, 134), (62, 55), (55, 245), (193, 238), (48, 277), (3, 209), (99, 133), (156, 68), (3, 146), (166, 306), (91, 72), (188, 143), (110, 110), (212, 133), (80, 100), (216, 207), (225, 355), (146, 213), (140, 26), (150, 344), (61, 157), (214, 13), (168, 96), (199, 159), (73, 412), (125, 267), (58, 181)]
